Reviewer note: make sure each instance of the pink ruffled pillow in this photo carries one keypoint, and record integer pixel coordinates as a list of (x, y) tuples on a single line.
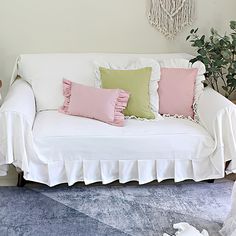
[(105, 105), (176, 91)]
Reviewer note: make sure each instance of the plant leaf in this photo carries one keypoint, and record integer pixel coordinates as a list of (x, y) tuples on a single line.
[(188, 38), (226, 54), (233, 25)]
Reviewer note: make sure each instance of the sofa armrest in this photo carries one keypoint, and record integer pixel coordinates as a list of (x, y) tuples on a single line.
[(20, 99), (17, 116), (218, 115)]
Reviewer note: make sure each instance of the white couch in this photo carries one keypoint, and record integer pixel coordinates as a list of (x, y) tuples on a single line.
[(54, 148)]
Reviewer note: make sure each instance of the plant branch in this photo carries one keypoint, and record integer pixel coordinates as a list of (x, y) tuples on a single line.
[(218, 53)]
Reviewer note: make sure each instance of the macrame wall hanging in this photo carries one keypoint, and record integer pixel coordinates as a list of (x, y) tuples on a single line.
[(171, 16)]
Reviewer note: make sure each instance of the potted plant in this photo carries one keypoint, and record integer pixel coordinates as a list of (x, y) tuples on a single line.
[(218, 53)]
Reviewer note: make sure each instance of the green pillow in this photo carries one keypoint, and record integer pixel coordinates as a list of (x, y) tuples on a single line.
[(136, 82)]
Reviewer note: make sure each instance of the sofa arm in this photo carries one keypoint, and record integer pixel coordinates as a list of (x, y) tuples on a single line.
[(218, 115), (17, 116), (20, 99)]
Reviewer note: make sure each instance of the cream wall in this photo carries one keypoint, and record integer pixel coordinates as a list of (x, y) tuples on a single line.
[(37, 26)]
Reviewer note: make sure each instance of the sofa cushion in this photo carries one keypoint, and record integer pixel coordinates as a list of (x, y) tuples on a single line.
[(84, 138), (75, 149)]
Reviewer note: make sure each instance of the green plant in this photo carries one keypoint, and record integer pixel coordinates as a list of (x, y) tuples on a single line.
[(218, 53)]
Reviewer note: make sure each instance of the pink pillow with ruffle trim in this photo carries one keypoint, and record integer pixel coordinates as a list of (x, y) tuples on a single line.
[(176, 91), (105, 105)]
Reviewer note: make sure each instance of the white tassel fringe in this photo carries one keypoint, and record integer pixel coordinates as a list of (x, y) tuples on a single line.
[(171, 16)]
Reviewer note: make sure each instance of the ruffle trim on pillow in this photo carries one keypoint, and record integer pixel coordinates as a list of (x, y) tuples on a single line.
[(121, 104), (158, 117), (196, 116), (194, 119), (67, 84), (178, 117)]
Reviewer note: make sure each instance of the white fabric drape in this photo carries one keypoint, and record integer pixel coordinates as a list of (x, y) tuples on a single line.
[(218, 115), (19, 146), (17, 116)]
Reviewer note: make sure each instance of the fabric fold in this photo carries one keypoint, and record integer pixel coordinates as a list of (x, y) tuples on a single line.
[(218, 115), (108, 171)]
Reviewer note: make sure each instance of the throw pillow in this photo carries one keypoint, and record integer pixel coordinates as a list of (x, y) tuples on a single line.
[(179, 63), (136, 82), (176, 91), (148, 68), (105, 105)]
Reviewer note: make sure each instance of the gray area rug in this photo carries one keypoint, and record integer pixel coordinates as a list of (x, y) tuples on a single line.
[(113, 209)]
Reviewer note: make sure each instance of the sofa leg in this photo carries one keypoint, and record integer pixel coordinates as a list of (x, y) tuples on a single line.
[(21, 181), (210, 181)]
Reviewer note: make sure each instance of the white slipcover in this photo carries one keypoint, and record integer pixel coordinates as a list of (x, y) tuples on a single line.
[(54, 148), (141, 150)]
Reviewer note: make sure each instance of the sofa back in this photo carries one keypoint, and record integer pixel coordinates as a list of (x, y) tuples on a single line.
[(45, 72)]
